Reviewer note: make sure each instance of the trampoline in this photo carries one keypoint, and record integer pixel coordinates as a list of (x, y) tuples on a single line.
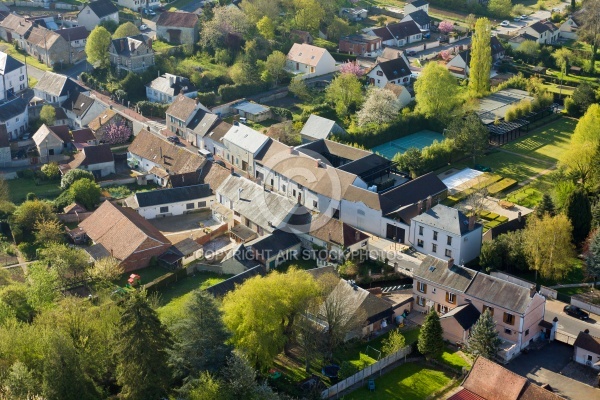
[(419, 140)]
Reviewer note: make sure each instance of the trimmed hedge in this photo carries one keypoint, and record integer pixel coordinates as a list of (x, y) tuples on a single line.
[(150, 108), (502, 185), (492, 224), (489, 179), (502, 219), (343, 57)]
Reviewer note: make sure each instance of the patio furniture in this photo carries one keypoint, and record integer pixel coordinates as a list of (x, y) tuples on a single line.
[(371, 385)]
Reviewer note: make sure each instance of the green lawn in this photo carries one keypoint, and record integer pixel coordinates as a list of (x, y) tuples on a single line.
[(18, 189), (546, 143), (10, 50), (573, 290), (300, 263), (453, 359), (512, 165), (410, 381), (174, 297), (147, 275), (159, 46)]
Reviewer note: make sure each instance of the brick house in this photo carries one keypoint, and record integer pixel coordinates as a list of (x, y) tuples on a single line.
[(360, 44)]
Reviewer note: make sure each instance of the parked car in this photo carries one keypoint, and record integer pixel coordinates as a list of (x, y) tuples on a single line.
[(161, 8), (143, 27), (524, 17), (505, 23), (150, 12), (173, 139), (411, 53), (576, 312), (556, 10), (517, 19)]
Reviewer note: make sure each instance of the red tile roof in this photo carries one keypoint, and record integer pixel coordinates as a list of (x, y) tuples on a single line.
[(464, 394)]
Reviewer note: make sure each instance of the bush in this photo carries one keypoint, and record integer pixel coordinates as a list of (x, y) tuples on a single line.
[(153, 109), (233, 92), (209, 99), (28, 250), (502, 185), (51, 171), (26, 174), (571, 108), (489, 180), (282, 113), (31, 196), (74, 175)]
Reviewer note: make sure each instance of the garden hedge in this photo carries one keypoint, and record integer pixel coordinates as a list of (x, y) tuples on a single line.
[(501, 186)]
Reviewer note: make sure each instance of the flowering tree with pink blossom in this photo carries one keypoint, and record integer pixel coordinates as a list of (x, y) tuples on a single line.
[(445, 54), (351, 67), (116, 133), (446, 26)]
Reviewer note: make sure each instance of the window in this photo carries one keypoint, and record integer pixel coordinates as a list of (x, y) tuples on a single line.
[(507, 331), (283, 188), (189, 206), (449, 241), (589, 357), (379, 73), (421, 230), (509, 319), (434, 248), (442, 309), (526, 332), (421, 301), (272, 182), (419, 243), (422, 287), (201, 204), (488, 308), (294, 192), (164, 210), (450, 298), (315, 204), (448, 253), (435, 235)]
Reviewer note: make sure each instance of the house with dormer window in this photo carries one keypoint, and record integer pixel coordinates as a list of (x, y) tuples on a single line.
[(394, 71)]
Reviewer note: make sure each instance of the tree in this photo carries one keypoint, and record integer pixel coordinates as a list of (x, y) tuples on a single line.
[(589, 31), (352, 67), (4, 192), (380, 107), (275, 65), (126, 29), (51, 171), (96, 47), (117, 133), (530, 50), (583, 97), (30, 212), (469, 134), (562, 56), (338, 28), (344, 93), (206, 387), (596, 215), (393, 343), (201, 337), (48, 231), (583, 156), (86, 192), (242, 73), (546, 206), (266, 28), (20, 383), (431, 341), (70, 263), (470, 20), (436, 92), (74, 175), (227, 23), (446, 26), (261, 312), (309, 335), (484, 340), (505, 253), (593, 255), (48, 115), (500, 8), (142, 369), (106, 270), (480, 64), (42, 286), (410, 161), (547, 244), (299, 89), (579, 211), (308, 16)]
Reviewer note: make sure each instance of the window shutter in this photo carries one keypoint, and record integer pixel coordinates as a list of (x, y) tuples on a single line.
[(424, 288)]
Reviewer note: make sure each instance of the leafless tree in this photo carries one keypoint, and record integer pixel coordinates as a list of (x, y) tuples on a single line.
[(590, 29)]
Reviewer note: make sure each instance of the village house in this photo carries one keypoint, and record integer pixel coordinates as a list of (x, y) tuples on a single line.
[(420, 17), (517, 310), (360, 44), (177, 27), (165, 163), (274, 249), (173, 201), (166, 87), (5, 154), (543, 32), (189, 119), (398, 34), (103, 122), (586, 350), (14, 29), (252, 111), (242, 144), (81, 109), (48, 47), (51, 140), (394, 71), (213, 140), (353, 14), (462, 60), (139, 5), (132, 53), (56, 88), (317, 127), (125, 235), (569, 28), (416, 5), (14, 114), (92, 14), (401, 92), (445, 232), (84, 137), (99, 160), (77, 38), (13, 76), (309, 61)]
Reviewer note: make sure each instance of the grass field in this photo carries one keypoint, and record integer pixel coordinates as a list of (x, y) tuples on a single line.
[(453, 359), (409, 381), (11, 51), (513, 166), (18, 189)]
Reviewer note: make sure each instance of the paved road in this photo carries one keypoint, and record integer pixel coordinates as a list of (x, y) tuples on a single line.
[(571, 325), (533, 18)]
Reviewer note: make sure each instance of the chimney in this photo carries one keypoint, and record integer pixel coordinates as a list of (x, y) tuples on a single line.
[(519, 216), (450, 263), (429, 201), (132, 47), (160, 153), (150, 43), (587, 331), (318, 162), (356, 235), (472, 219), (122, 45), (329, 237), (232, 171), (419, 206), (197, 100)]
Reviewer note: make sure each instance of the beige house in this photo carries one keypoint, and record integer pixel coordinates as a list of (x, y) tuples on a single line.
[(48, 47), (132, 53), (177, 27), (309, 61), (517, 310), (51, 140), (14, 29), (587, 350), (96, 12)]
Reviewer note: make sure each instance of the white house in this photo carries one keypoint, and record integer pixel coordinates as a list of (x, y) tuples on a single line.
[(137, 5), (275, 249), (420, 17), (446, 233), (174, 201), (92, 14), (394, 71), (462, 60), (14, 76), (544, 32), (402, 94), (82, 109), (213, 140), (416, 5), (56, 88), (166, 87), (587, 350), (15, 115), (309, 61), (242, 144), (569, 28), (398, 34)]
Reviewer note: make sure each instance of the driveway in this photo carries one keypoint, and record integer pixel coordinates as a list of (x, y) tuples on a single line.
[(543, 366), (571, 325)]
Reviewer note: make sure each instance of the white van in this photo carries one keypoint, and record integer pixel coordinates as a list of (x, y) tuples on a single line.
[(206, 154)]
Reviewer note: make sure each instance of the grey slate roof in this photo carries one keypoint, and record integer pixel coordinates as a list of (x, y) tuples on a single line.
[(8, 63), (411, 192), (587, 342), (394, 69), (123, 45), (75, 33), (444, 218), (272, 244), (202, 122), (78, 103), (541, 27), (419, 3), (436, 271), (499, 292), (174, 195), (221, 289), (58, 85), (180, 85), (102, 8), (466, 315), (12, 108), (420, 17), (317, 127), (398, 30)]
